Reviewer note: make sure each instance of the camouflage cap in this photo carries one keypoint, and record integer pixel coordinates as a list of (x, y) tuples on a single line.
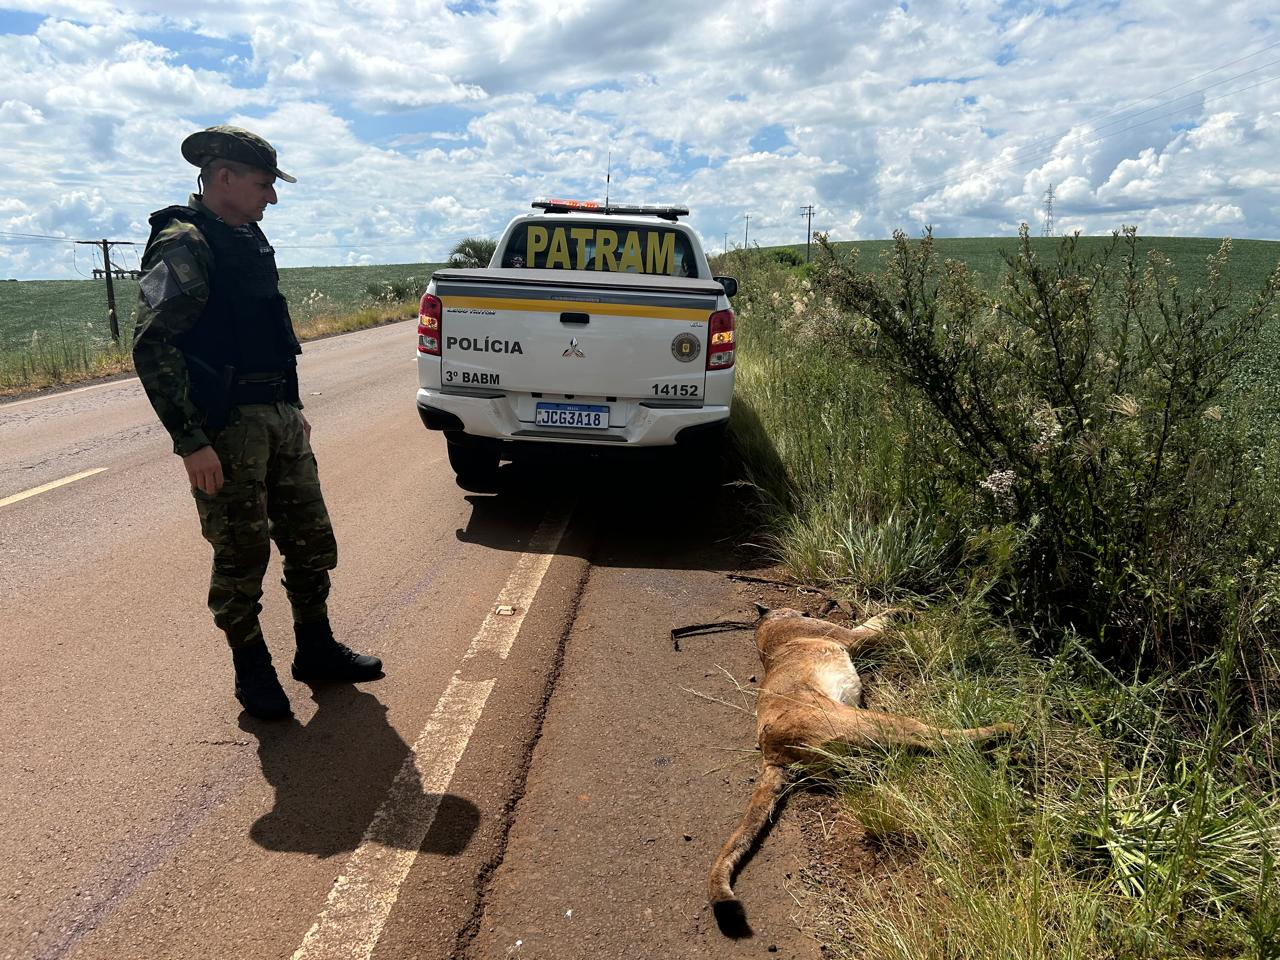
[(232, 143)]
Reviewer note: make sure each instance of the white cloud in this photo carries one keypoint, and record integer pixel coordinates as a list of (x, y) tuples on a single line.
[(19, 113), (410, 126)]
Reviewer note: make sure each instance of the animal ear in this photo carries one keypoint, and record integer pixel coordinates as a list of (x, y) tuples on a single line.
[(761, 610)]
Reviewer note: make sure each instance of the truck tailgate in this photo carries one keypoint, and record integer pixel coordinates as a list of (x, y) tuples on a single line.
[(575, 332)]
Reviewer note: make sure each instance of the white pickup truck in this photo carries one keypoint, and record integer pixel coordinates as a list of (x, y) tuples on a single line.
[(593, 326)]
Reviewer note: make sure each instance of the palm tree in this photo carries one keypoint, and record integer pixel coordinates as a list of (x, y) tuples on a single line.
[(472, 252)]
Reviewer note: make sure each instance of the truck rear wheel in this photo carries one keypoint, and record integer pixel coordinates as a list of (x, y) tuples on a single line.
[(474, 461)]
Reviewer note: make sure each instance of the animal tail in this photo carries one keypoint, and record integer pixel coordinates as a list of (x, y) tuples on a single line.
[(730, 915)]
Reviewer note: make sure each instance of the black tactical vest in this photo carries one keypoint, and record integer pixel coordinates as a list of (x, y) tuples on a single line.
[(245, 329)]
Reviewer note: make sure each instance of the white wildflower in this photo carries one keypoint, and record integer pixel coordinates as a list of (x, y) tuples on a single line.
[(1000, 486), (1046, 421)]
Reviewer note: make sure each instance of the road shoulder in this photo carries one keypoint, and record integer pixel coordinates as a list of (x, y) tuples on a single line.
[(644, 766)]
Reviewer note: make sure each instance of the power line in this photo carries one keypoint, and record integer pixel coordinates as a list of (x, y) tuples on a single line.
[(1031, 152), (34, 236), (1017, 161), (1186, 96), (339, 246), (931, 186), (278, 246), (75, 264), (1160, 93)]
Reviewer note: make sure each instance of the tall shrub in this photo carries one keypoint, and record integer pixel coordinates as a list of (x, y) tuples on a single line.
[(1081, 411)]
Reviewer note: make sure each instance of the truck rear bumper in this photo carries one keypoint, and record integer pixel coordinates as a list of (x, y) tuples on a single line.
[(495, 417)]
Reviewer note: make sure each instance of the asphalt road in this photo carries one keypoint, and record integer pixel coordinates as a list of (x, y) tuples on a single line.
[(539, 774)]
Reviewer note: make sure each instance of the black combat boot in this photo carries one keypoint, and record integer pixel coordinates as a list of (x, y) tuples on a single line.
[(257, 687), (322, 659)]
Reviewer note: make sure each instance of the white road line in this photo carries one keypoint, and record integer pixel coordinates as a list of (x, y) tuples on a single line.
[(64, 393), (361, 899), (45, 488), (498, 632)]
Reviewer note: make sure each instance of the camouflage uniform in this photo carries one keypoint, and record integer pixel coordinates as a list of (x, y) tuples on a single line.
[(271, 489)]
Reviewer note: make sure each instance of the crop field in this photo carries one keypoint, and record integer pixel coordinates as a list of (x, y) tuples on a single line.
[(59, 310), (62, 310), (1251, 260), (56, 331)]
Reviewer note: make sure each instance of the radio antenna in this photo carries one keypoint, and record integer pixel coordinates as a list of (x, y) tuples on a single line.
[(608, 176)]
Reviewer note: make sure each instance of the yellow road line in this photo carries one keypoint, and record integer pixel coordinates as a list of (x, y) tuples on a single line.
[(45, 488)]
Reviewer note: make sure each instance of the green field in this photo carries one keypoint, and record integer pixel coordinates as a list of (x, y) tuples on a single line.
[(64, 309), (61, 309), (55, 331), (1251, 260)]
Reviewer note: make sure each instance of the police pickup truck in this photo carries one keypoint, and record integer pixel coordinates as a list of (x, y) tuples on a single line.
[(594, 325)]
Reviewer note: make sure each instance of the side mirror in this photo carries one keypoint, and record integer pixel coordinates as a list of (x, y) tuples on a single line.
[(729, 283)]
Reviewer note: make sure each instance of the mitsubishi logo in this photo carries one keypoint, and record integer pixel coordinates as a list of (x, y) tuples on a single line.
[(574, 350)]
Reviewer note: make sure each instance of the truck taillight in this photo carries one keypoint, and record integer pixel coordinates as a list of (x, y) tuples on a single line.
[(429, 313), (720, 347)]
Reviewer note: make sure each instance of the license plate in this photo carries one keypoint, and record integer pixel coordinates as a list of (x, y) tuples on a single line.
[(584, 415)]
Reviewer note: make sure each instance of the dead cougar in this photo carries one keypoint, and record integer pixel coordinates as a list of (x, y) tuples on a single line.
[(811, 696)]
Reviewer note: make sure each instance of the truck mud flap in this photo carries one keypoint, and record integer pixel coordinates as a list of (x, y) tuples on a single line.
[(702, 433), (434, 418)]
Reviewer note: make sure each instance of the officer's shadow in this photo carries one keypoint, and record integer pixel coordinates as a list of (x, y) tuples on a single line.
[(332, 776)]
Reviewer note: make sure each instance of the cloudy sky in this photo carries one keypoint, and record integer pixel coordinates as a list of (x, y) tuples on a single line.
[(411, 125)]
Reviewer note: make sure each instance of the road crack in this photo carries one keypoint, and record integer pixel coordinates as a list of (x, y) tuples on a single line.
[(485, 876)]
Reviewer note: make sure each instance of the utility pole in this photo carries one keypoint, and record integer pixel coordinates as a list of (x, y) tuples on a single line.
[(1048, 213), (746, 231), (808, 232), (107, 273), (726, 241)]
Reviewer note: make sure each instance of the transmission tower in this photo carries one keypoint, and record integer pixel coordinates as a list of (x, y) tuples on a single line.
[(1047, 231)]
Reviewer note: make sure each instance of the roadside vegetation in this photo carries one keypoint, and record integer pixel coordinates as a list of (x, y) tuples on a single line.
[(473, 252), (55, 332), (1068, 466)]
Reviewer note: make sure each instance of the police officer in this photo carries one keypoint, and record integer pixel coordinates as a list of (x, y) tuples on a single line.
[(216, 353)]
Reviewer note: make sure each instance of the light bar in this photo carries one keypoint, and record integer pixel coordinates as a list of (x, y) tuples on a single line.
[(665, 211)]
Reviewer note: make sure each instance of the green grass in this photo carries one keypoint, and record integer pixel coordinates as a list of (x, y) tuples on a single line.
[(56, 331), (1134, 816), (1099, 831), (78, 308)]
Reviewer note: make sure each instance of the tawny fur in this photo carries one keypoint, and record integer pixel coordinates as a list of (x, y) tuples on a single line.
[(811, 698)]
